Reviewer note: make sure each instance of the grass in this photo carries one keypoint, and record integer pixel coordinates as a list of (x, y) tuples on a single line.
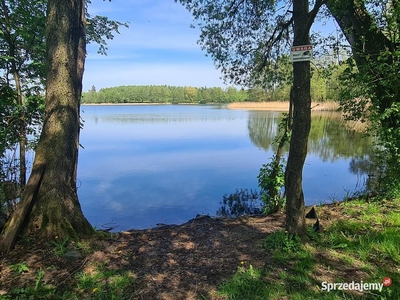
[(36, 291), (360, 243), (362, 247), (96, 283), (104, 283), (246, 281)]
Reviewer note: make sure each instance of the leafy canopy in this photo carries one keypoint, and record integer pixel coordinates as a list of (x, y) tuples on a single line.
[(243, 37)]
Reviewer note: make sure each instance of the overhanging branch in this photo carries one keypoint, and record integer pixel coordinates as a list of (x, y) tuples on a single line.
[(313, 13), (276, 36)]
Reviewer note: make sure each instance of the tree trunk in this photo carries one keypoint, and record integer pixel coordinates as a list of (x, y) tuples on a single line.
[(22, 133), (295, 216), (375, 51), (56, 210), (367, 42)]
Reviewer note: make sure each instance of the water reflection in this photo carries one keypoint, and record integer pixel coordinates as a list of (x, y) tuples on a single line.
[(263, 127), (329, 139), (160, 114), (166, 164), (240, 203)]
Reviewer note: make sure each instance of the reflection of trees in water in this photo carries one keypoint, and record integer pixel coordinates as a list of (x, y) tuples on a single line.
[(240, 203), (134, 119), (362, 165), (329, 137), (263, 127)]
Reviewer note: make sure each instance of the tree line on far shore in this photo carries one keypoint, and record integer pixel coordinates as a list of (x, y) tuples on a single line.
[(321, 90)]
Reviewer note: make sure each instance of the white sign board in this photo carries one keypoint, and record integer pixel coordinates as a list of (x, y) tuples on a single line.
[(301, 53)]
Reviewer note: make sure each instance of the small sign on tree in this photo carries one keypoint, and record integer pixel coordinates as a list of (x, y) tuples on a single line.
[(301, 53)]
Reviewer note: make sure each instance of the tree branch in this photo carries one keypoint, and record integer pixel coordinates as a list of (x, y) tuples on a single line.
[(313, 13), (275, 37)]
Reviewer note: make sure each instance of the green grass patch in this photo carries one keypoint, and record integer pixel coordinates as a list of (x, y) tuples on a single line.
[(361, 246), (38, 290), (103, 283), (247, 283), (98, 284)]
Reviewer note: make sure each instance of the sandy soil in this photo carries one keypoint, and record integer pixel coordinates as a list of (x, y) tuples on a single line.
[(280, 106)]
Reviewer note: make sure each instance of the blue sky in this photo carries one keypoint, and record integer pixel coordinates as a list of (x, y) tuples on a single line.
[(158, 48)]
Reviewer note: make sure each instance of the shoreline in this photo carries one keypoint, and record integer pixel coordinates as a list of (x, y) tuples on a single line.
[(270, 106), (281, 106), (123, 104)]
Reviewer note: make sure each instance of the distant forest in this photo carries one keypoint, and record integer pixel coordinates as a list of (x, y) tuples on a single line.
[(321, 90)]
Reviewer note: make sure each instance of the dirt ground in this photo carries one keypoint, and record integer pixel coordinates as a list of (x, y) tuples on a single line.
[(171, 262), (168, 262)]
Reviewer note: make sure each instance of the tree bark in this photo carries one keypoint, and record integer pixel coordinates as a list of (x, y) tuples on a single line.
[(56, 210), (295, 216), (14, 226), (375, 51), (367, 41), (22, 133)]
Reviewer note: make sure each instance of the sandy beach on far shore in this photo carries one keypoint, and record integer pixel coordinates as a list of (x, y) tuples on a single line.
[(272, 105), (281, 106)]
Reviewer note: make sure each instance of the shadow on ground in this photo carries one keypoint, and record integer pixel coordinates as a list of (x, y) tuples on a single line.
[(191, 260)]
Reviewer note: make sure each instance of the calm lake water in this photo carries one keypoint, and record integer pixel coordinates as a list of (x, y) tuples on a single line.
[(143, 165)]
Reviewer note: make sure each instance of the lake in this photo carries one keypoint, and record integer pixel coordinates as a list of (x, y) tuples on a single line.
[(148, 164)]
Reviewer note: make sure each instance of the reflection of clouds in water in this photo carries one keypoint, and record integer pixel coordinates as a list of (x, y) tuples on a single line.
[(158, 180), (134, 195), (117, 206), (157, 118), (103, 186), (122, 165), (189, 187), (147, 131), (140, 174), (232, 123)]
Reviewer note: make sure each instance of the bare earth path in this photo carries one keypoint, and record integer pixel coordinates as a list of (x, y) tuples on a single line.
[(169, 262)]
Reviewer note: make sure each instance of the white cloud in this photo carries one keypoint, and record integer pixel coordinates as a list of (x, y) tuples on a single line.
[(167, 12), (158, 48), (151, 36)]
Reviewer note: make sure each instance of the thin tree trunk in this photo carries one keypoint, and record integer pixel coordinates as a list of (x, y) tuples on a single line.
[(22, 133), (14, 225), (295, 216)]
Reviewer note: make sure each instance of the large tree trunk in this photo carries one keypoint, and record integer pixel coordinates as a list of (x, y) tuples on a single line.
[(375, 52), (360, 29), (367, 42), (56, 210), (295, 217)]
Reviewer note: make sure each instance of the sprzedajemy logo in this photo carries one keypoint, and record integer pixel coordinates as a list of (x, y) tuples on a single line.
[(354, 286)]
